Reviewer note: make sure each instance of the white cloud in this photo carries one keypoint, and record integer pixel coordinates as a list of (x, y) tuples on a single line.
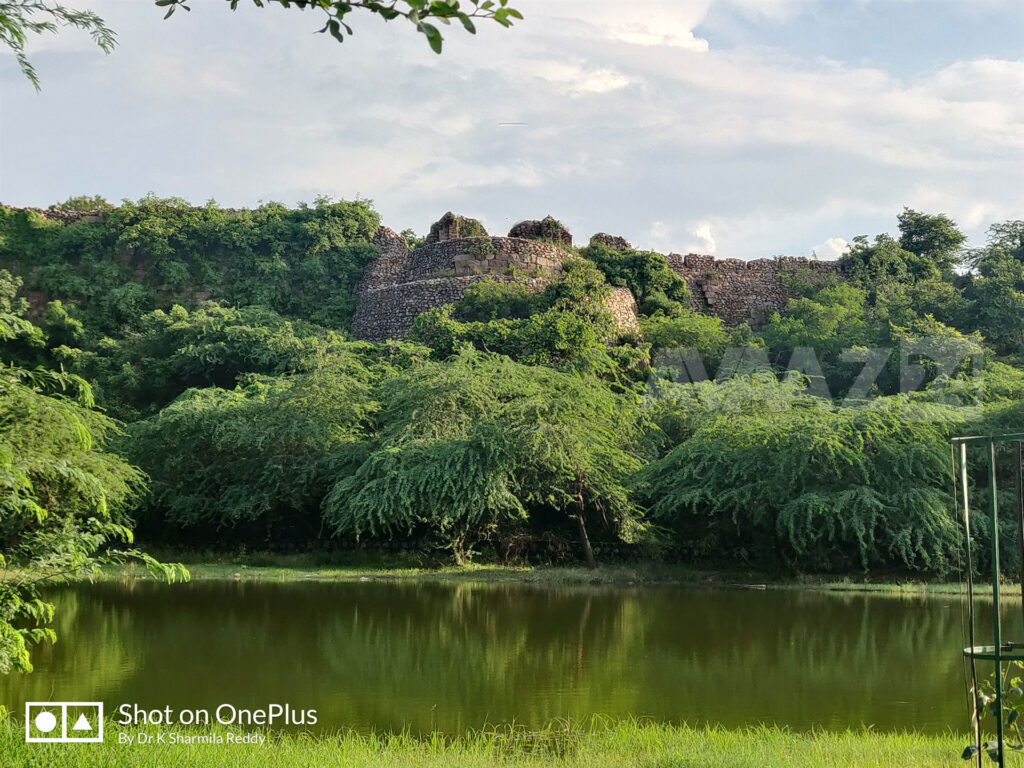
[(831, 249), (705, 239), (626, 121), (666, 237), (576, 77), (776, 10), (653, 23)]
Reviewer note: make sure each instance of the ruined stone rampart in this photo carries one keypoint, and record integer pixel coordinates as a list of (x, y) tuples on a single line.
[(404, 283), (482, 255), (739, 291), (388, 312), (622, 304)]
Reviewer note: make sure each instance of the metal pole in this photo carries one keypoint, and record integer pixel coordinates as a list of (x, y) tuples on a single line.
[(996, 633), (1020, 516), (970, 596)]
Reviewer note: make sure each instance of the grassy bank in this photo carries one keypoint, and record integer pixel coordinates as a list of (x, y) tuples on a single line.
[(397, 567), (627, 745)]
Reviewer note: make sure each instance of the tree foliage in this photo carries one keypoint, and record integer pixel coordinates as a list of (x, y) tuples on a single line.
[(420, 13), (520, 414), (64, 496), (658, 290), (63, 501), (768, 472), (258, 457), (142, 370), (154, 253), (563, 324), (20, 18), (472, 447), (997, 290)]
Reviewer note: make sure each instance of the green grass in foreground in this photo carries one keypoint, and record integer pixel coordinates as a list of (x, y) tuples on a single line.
[(629, 745)]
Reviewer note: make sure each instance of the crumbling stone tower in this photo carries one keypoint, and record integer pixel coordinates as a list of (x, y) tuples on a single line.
[(404, 283)]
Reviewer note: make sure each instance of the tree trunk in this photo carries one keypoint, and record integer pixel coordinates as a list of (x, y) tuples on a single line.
[(588, 551)]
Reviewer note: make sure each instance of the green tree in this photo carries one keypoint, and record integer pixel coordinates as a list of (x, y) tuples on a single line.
[(257, 459), (872, 265), (142, 370), (658, 290), (688, 330), (561, 325), (156, 252), (934, 237), (771, 475), (472, 448), (997, 288), (834, 319), (64, 498)]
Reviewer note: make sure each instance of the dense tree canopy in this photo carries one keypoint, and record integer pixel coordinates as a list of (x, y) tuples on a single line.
[(64, 496), (769, 472), (473, 447), (517, 422)]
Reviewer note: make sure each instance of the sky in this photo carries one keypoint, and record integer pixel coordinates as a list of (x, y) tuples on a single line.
[(739, 128)]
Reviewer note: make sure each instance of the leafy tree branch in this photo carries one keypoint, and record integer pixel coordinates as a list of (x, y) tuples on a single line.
[(418, 12), (20, 18)]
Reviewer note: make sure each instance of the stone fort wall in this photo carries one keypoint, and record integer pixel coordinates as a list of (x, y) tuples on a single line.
[(404, 283), (739, 291)]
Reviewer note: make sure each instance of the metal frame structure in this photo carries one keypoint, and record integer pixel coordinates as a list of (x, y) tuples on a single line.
[(999, 651)]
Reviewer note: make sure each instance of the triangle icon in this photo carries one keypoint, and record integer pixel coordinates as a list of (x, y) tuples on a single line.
[(81, 724)]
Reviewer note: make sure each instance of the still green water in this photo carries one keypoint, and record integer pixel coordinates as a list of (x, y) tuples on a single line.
[(387, 655)]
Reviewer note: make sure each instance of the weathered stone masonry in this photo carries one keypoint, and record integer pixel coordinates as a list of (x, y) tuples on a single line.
[(739, 291), (402, 284)]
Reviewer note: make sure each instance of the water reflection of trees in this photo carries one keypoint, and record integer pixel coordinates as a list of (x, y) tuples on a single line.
[(802, 659), (388, 655), (95, 652), (460, 656)]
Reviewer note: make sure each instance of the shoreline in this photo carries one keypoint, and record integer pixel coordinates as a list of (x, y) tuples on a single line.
[(291, 568)]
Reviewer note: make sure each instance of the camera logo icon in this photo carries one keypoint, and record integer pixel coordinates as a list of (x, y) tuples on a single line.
[(64, 722)]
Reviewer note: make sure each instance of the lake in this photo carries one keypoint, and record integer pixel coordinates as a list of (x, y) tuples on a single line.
[(388, 655)]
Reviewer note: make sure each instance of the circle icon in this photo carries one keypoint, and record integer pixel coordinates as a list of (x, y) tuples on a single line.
[(46, 721)]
